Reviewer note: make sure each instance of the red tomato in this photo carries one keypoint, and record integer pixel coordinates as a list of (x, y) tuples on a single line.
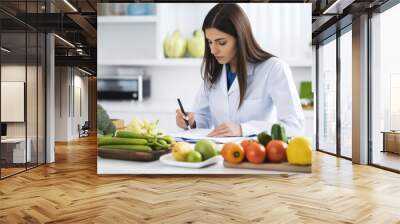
[(276, 151), (255, 153), (246, 142)]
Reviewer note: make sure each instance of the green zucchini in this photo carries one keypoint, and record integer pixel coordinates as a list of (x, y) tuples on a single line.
[(129, 134), (121, 141), (144, 148)]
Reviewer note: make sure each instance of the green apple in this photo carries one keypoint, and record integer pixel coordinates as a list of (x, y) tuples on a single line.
[(206, 148), (193, 157)]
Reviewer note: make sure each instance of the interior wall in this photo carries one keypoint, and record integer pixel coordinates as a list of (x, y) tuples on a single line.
[(80, 104), (61, 103), (17, 73), (71, 102)]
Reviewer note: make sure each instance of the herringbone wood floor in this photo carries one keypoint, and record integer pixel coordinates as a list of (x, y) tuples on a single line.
[(70, 191)]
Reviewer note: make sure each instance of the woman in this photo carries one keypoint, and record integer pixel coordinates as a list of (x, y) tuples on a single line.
[(246, 90)]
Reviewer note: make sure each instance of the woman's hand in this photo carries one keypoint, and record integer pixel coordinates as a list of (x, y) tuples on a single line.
[(180, 119), (226, 130)]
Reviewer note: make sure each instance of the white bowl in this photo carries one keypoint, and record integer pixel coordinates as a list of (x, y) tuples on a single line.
[(168, 159)]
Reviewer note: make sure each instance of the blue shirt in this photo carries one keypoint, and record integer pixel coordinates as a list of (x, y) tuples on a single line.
[(230, 76)]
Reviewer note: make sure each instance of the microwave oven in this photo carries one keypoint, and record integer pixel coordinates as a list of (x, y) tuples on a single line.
[(123, 87)]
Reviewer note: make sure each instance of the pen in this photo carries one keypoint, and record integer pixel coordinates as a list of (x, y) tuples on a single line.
[(183, 111)]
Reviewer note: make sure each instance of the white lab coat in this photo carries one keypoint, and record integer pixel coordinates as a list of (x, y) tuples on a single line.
[(271, 97)]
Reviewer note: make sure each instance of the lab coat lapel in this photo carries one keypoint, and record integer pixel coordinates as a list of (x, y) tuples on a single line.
[(227, 102), (223, 83), (222, 102), (235, 84)]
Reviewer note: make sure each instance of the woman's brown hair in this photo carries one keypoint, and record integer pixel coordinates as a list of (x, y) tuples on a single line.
[(230, 19)]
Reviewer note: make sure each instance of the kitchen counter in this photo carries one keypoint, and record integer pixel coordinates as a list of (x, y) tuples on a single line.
[(112, 166)]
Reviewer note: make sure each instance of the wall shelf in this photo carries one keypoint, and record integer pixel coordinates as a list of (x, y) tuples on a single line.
[(172, 62), (126, 19), (152, 62)]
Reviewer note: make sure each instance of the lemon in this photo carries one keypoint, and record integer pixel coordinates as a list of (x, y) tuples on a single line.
[(180, 150), (299, 151)]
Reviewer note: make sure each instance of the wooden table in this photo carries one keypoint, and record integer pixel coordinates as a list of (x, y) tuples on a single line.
[(391, 141), (13, 150)]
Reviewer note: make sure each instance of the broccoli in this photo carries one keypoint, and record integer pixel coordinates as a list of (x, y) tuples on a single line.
[(104, 124)]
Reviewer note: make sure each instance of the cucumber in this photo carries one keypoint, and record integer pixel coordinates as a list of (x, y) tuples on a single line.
[(278, 132), (144, 148), (121, 141), (156, 147), (169, 139), (264, 138), (129, 134), (162, 142)]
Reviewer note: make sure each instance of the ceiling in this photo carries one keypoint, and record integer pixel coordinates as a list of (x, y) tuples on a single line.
[(329, 16), (73, 21)]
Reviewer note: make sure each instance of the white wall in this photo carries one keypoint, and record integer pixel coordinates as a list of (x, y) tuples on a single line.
[(17, 73), (68, 82), (61, 103), (33, 125), (81, 104)]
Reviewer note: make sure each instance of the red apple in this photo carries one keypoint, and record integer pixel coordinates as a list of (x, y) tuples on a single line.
[(276, 151)]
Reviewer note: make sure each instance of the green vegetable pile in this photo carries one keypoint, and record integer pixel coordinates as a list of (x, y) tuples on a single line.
[(139, 136), (104, 124)]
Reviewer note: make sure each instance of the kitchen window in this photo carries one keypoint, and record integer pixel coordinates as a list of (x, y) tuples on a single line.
[(346, 76), (327, 96), (334, 101), (385, 89), (22, 98)]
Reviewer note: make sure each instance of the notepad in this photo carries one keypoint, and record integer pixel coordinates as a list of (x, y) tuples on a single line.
[(196, 134)]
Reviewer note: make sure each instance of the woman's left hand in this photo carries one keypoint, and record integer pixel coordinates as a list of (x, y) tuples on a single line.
[(226, 130)]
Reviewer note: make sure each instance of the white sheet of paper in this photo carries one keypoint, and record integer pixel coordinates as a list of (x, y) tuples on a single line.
[(200, 133)]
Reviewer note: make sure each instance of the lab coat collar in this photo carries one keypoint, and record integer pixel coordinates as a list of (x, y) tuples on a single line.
[(250, 69), (235, 84)]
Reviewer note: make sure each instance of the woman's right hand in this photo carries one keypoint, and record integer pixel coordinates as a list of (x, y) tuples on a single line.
[(180, 119)]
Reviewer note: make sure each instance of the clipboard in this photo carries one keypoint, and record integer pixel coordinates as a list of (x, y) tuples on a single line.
[(194, 135)]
